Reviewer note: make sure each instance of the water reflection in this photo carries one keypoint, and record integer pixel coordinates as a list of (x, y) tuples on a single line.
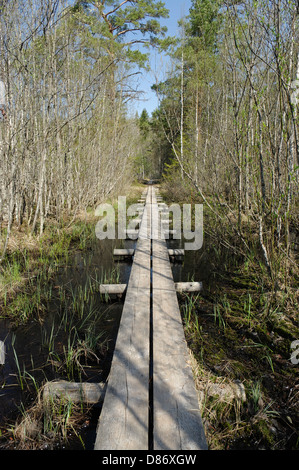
[(28, 347)]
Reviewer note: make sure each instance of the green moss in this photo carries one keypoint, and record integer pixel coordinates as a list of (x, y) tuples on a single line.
[(262, 431), (286, 330)]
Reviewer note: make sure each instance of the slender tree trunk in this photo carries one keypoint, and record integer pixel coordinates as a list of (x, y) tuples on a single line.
[(182, 110)]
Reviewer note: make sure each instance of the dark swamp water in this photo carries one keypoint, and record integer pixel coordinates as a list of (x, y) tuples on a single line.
[(32, 351)]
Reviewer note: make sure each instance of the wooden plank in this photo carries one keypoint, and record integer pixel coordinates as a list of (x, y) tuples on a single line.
[(188, 286), (2, 353), (180, 287), (176, 417), (123, 422), (130, 252), (123, 252), (176, 252), (113, 289), (84, 392)]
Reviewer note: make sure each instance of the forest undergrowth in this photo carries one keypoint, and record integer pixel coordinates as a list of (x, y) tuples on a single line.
[(240, 331)]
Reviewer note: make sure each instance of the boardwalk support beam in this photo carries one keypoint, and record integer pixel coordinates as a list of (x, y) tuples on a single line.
[(76, 392), (2, 353), (127, 253), (180, 287)]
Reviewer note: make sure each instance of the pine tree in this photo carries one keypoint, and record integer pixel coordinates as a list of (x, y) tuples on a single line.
[(205, 21), (126, 24)]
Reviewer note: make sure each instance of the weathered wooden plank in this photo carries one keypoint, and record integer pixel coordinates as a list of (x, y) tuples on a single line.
[(123, 422), (123, 252), (90, 393), (177, 419), (188, 286), (128, 252), (2, 353), (113, 289), (176, 252), (180, 287)]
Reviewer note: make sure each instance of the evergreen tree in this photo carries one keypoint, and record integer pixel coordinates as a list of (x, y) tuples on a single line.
[(126, 24), (144, 123), (204, 22)]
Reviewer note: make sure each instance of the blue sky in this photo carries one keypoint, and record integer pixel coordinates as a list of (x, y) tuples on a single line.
[(177, 9)]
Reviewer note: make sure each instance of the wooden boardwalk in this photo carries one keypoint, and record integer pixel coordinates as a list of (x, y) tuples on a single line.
[(150, 402)]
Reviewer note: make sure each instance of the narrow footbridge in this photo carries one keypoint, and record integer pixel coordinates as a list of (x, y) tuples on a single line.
[(150, 401)]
